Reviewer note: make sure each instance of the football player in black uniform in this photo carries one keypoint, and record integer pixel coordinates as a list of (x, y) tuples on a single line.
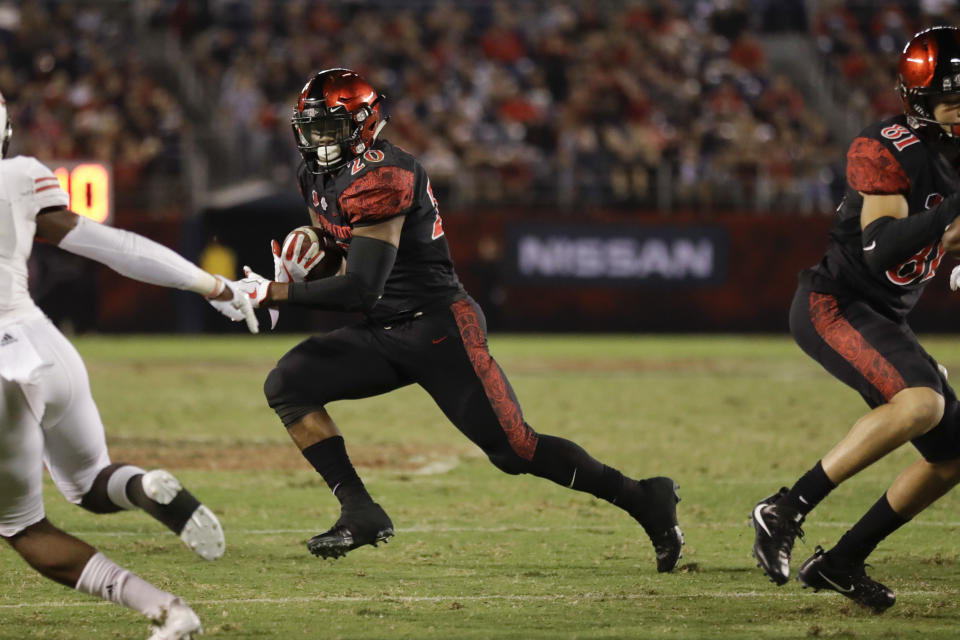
[(420, 326), (849, 312)]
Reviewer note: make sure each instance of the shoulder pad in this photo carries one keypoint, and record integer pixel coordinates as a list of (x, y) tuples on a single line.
[(380, 193)]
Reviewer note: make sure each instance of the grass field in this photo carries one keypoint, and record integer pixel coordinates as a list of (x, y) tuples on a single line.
[(480, 554)]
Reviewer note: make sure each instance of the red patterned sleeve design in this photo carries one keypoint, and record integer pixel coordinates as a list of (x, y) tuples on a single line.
[(872, 169), (381, 193)]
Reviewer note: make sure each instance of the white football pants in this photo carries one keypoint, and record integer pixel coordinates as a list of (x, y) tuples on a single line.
[(47, 416)]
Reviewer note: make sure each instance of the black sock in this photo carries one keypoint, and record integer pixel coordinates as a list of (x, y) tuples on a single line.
[(174, 515), (567, 464), (809, 490), (329, 457), (860, 541)]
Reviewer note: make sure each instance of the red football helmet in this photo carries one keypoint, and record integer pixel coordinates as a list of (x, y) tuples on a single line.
[(336, 119), (929, 68)]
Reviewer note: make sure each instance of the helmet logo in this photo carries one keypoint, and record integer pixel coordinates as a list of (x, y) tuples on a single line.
[(303, 94)]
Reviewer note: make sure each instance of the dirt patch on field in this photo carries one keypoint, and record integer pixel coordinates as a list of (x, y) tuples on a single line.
[(271, 456)]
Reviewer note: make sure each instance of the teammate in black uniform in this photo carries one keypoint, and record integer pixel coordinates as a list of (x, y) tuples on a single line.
[(849, 315), (420, 326)]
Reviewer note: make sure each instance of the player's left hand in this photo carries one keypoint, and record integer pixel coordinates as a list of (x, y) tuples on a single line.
[(955, 278), (238, 307), (254, 286)]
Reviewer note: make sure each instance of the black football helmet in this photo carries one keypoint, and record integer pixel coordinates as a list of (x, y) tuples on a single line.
[(929, 68), (336, 119)]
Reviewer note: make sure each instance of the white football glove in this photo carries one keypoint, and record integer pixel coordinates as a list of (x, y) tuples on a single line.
[(280, 274), (298, 267), (955, 278), (236, 308), (255, 286)]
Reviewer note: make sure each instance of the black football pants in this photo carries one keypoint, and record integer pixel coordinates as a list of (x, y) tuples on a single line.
[(444, 350), (875, 355)]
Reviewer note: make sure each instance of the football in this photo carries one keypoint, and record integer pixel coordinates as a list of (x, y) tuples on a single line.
[(314, 236)]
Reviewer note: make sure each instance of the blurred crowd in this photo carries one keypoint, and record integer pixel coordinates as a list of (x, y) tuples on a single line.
[(571, 104)]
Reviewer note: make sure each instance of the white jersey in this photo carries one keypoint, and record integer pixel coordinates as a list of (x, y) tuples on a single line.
[(26, 187)]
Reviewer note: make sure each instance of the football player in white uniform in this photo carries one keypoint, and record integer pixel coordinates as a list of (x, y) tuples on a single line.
[(47, 414)]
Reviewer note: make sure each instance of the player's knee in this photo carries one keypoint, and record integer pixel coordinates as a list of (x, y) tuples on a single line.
[(923, 408), (274, 386), (97, 498), (282, 398), (508, 461), (947, 471)]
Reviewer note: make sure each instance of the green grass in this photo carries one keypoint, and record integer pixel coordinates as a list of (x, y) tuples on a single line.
[(480, 554)]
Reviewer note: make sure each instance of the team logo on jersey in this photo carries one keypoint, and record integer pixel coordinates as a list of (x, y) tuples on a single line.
[(323, 203), (316, 199), (932, 200)]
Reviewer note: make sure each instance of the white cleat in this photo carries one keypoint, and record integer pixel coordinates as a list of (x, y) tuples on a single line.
[(202, 532), (177, 622), (160, 486)]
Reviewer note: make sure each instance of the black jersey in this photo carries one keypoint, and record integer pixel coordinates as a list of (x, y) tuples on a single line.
[(384, 182), (887, 157)]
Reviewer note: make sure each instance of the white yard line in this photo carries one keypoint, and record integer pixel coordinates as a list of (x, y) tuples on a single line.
[(505, 529), (572, 598)]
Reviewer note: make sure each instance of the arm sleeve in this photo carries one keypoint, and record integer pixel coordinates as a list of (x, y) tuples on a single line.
[(889, 241), (134, 256), (359, 289)]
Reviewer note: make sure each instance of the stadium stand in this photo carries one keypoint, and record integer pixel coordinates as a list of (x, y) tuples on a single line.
[(656, 105)]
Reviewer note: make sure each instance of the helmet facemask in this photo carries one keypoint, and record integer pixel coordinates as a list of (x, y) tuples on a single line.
[(329, 138), (920, 112)]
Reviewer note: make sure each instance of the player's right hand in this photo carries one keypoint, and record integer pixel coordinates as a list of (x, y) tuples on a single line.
[(254, 286), (955, 278)]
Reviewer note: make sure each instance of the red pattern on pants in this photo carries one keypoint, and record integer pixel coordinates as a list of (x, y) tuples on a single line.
[(837, 332), (523, 439)]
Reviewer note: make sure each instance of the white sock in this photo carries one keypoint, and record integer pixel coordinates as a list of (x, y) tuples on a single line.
[(103, 578), (117, 485)]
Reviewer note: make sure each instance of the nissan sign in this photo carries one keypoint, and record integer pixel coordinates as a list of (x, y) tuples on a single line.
[(617, 255)]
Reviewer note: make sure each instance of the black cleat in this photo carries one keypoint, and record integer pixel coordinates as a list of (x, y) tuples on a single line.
[(656, 510), (777, 527), (356, 527), (852, 581)]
